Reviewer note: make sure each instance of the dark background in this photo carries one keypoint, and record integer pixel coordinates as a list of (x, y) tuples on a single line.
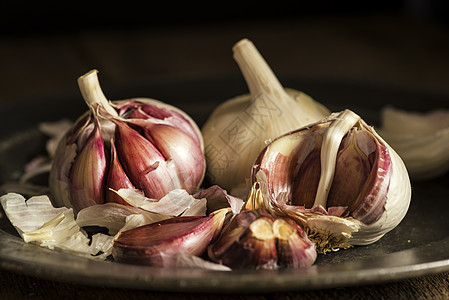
[(37, 16), (44, 47)]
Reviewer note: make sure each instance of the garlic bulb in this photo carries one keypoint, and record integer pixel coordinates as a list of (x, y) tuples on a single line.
[(139, 143), (337, 178), (421, 139), (237, 130)]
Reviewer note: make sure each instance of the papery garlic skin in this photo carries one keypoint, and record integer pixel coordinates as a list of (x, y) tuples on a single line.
[(38, 222), (137, 143), (239, 128), (399, 196), (421, 139), (313, 160)]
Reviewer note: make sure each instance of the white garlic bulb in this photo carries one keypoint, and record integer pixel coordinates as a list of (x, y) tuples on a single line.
[(239, 128), (337, 178)]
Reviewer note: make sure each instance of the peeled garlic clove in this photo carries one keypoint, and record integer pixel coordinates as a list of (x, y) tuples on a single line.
[(254, 239), (352, 193), (149, 243), (238, 129), (139, 130), (421, 139)]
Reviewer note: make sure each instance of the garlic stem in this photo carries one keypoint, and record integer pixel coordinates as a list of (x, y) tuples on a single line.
[(92, 93), (258, 75), (329, 150)]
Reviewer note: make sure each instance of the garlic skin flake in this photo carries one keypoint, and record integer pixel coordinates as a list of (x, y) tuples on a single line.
[(238, 129), (421, 139), (177, 202), (337, 178), (38, 222)]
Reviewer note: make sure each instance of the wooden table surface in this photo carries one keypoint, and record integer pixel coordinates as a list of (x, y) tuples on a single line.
[(378, 47)]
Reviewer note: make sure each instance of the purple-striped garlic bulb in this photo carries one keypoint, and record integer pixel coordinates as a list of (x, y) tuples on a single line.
[(138, 143), (337, 178)]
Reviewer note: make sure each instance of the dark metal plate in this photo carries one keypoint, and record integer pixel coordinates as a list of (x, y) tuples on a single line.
[(418, 246)]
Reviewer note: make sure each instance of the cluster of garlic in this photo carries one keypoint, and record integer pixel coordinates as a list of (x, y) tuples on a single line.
[(332, 173), (312, 181)]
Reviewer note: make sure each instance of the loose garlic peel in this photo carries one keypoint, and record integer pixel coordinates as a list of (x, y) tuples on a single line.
[(421, 139), (239, 128), (313, 176)]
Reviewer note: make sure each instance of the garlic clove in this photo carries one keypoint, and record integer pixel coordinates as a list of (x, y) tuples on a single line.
[(351, 172), (295, 250), (238, 129), (180, 147), (159, 114), (87, 175), (149, 244), (247, 242), (362, 192), (117, 179), (254, 239), (143, 162)]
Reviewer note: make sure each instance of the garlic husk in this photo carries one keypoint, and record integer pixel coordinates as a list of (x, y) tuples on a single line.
[(313, 176), (112, 216), (176, 202), (38, 222), (237, 130), (421, 139), (137, 143), (254, 239)]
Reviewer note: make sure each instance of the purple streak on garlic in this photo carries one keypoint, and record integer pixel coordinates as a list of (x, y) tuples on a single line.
[(147, 144)]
